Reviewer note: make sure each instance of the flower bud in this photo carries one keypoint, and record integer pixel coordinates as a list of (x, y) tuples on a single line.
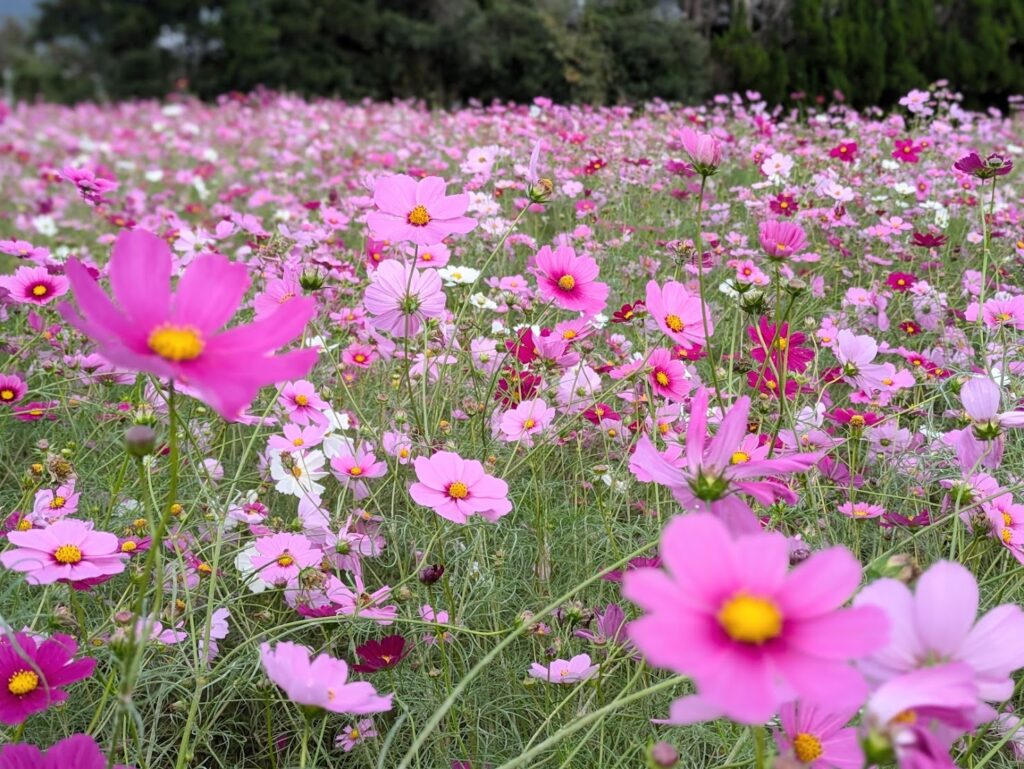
[(140, 440), (661, 755), (311, 280)]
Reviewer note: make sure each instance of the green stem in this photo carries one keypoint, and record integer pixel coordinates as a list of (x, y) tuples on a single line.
[(699, 244)]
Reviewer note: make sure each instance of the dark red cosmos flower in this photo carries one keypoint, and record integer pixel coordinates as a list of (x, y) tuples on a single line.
[(688, 353), (927, 240), (784, 205), (910, 328), (901, 281), (847, 152), (381, 655), (784, 347), (993, 165), (600, 411), (629, 312), (767, 383), (524, 349), (516, 386), (594, 166)]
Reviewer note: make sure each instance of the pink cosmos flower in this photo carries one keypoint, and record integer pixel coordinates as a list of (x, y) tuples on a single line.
[(527, 419), (937, 624), (861, 510), (667, 376), (856, 354), (33, 673), (321, 683), (56, 503), (66, 551), (78, 751), (998, 312), (417, 211), (919, 715), (677, 313), (431, 256), (782, 239), (90, 186), (302, 403), (356, 734), (359, 355), (297, 437), (712, 475), (177, 336), (570, 281), (818, 737), (569, 671), (12, 389), (280, 558), (983, 441), (34, 285), (354, 464), (401, 298), (727, 610), (276, 293), (705, 150), (456, 488)]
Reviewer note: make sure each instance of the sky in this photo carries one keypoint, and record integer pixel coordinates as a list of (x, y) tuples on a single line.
[(19, 9)]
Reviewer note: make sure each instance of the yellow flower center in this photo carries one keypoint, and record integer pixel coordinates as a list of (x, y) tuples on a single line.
[(302, 400), (359, 358), (857, 420), (674, 322), (807, 747), (57, 503), (356, 470), (458, 490), (749, 619), (296, 471), (176, 343), (859, 512), (662, 378), (1003, 316), (528, 423), (418, 217), (906, 717), (285, 560), (40, 289), (24, 524), (129, 547), (782, 343), (567, 282), (739, 457), (67, 554), (298, 442), (1006, 535), (23, 682), (6, 395), (353, 734)]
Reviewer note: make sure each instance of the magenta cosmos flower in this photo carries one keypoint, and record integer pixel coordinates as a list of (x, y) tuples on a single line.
[(320, 683), (938, 623), (727, 611), (677, 313), (401, 298), (32, 674), (781, 240), (78, 751), (667, 376), (417, 211), (12, 389), (66, 551), (34, 285), (818, 737), (456, 488), (712, 475), (178, 335), (569, 671), (570, 281)]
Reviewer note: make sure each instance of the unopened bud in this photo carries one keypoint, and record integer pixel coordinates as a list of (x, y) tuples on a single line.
[(662, 755), (311, 280), (140, 440), (431, 574)]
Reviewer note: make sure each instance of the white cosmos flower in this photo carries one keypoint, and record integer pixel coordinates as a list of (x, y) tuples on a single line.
[(458, 275)]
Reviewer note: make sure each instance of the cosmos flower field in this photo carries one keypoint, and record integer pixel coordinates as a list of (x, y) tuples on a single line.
[(364, 435)]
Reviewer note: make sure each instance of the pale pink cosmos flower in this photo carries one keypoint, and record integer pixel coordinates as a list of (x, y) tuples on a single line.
[(937, 623), (429, 257), (526, 420), (297, 437), (570, 281), (417, 211), (277, 292), (983, 441), (34, 285), (360, 602), (705, 150), (179, 335), (51, 504), (782, 239), (677, 313), (280, 558), (861, 510), (570, 671), (66, 551), (401, 298), (856, 354), (356, 734), (727, 610), (457, 488), (998, 312), (321, 682), (713, 475)]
